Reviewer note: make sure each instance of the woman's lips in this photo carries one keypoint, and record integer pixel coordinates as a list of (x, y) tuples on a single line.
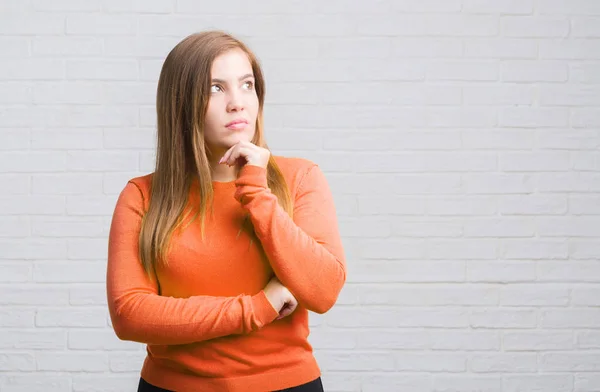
[(237, 124)]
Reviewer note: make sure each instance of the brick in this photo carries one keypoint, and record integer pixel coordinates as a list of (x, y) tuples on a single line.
[(503, 363), (575, 7), (462, 206), (406, 271), (72, 362), (569, 361), (24, 339), (396, 339), (581, 226), (535, 26), (569, 49), (14, 47), (459, 383), (86, 249), (504, 94), (37, 382), (573, 271), (533, 205), (71, 272), (390, 206), (568, 182), (534, 295), (71, 317), (584, 249), (463, 70), (17, 362), (66, 139), (546, 382), (533, 117), (66, 5), (430, 25), (28, 69), (585, 117), (569, 96), (365, 228), (533, 71), (138, 6), (456, 249), (537, 341), (398, 382), (464, 340), (102, 161), (588, 339), (426, 47), (358, 141), (570, 318), (16, 92), (441, 295), (585, 296), (363, 361), (501, 271), (493, 7), (503, 318), (17, 317), (100, 24), (584, 72), (426, 162), (102, 70), (15, 227), (67, 93), (391, 250), (431, 362), (412, 228), (587, 382), (67, 184), (66, 46), (15, 272), (33, 249), (534, 249), (503, 227), (582, 139), (534, 161), (31, 295), (28, 23), (492, 183)]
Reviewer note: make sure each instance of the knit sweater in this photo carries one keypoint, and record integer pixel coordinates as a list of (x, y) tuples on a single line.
[(210, 327)]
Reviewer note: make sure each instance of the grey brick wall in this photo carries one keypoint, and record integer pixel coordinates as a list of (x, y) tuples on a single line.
[(461, 139)]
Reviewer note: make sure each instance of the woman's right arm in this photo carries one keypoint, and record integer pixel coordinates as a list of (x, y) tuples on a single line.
[(140, 314)]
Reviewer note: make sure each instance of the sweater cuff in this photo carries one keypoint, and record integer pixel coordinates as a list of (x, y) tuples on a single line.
[(252, 175), (263, 310)]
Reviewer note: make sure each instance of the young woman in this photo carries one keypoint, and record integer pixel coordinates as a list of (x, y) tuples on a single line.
[(215, 258)]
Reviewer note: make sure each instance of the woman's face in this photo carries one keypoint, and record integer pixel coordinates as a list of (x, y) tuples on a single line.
[(233, 103)]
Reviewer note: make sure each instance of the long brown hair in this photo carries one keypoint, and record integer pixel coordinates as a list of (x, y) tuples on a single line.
[(181, 153)]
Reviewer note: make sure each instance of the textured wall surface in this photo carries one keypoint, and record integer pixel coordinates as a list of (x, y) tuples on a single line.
[(460, 138)]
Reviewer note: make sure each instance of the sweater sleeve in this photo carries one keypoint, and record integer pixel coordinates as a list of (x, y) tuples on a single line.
[(305, 252), (139, 313)]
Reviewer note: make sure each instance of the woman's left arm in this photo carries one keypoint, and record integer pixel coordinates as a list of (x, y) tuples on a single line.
[(305, 252)]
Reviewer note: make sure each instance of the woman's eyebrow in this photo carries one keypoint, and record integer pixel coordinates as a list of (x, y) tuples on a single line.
[(240, 78)]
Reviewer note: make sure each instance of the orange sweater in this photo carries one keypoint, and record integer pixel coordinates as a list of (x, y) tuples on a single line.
[(211, 328)]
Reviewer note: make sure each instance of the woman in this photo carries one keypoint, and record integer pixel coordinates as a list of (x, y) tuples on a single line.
[(215, 259)]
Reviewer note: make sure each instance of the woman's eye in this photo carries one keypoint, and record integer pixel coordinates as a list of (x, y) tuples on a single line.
[(248, 85), (215, 88)]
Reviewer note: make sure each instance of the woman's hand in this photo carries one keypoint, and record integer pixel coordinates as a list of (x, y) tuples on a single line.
[(280, 298), (244, 152)]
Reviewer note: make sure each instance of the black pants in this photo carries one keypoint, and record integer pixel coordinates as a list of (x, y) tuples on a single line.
[(313, 386)]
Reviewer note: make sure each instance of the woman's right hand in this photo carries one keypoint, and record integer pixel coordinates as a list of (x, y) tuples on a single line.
[(280, 297)]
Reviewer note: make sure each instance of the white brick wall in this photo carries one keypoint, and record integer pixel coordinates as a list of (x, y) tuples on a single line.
[(461, 139)]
